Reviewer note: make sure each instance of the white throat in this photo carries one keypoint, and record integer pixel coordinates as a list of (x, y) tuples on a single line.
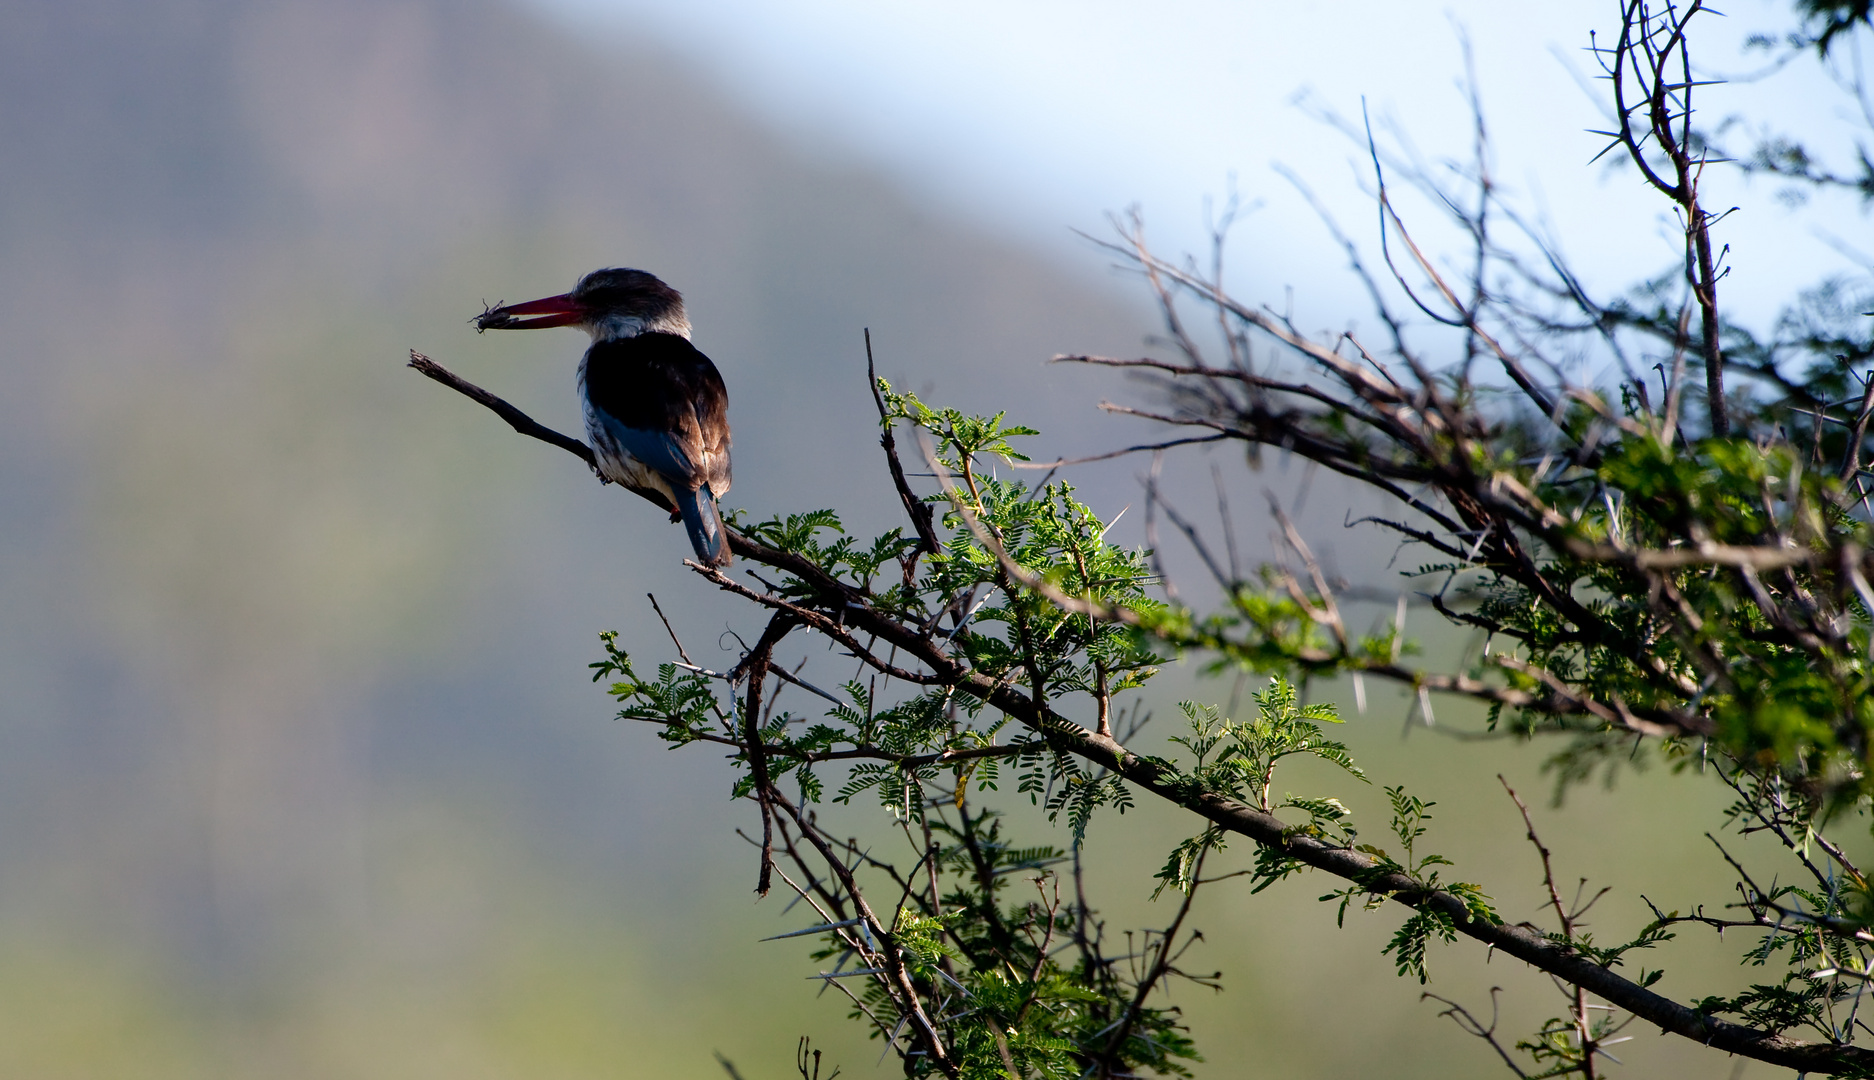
[(614, 327)]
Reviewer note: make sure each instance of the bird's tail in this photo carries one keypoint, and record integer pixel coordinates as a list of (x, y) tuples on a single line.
[(704, 524)]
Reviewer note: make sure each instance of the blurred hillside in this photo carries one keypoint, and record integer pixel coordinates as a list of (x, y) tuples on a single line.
[(300, 770), (272, 601)]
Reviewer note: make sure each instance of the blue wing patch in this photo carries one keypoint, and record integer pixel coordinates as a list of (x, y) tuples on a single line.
[(658, 449)]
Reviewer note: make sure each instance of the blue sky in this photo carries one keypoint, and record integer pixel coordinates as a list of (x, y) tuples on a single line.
[(1040, 116)]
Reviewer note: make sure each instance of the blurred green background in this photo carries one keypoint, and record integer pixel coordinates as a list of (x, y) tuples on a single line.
[(301, 771)]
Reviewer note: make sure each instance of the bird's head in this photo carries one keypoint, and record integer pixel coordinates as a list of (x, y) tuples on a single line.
[(608, 304)]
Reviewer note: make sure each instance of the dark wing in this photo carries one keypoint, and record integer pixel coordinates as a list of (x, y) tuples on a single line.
[(667, 405)]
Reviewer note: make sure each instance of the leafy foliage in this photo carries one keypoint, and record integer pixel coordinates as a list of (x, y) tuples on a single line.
[(1681, 578), (988, 968), (1239, 759)]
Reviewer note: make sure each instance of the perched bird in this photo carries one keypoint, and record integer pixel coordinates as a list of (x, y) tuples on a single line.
[(657, 413)]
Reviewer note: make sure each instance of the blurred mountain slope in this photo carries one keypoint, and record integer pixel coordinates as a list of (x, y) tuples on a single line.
[(266, 592)]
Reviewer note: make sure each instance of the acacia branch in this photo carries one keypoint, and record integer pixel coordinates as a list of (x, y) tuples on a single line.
[(1472, 1026), (1161, 963), (862, 753), (1526, 945), (755, 665), (854, 609), (915, 508), (528, 426), (899, 984)]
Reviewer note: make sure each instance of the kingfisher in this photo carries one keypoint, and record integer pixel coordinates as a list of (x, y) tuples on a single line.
[(657, 412)]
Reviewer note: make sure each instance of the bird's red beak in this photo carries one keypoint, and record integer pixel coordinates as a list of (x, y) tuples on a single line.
[(559, 310)]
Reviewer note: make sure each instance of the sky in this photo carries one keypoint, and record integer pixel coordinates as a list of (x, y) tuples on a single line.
[(1040, 117)]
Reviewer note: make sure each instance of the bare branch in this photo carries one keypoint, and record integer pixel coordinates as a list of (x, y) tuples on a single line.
[(526, 425), (915, 508)]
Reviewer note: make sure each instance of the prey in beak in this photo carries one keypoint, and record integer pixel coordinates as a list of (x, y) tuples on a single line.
[(561, 310), (657, 413)]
